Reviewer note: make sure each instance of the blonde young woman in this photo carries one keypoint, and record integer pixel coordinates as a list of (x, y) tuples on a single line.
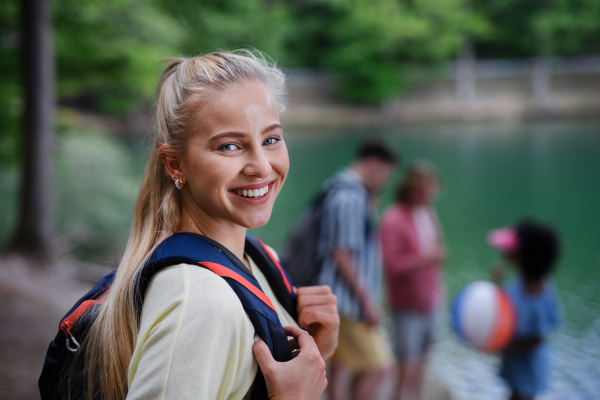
[(218, 141)]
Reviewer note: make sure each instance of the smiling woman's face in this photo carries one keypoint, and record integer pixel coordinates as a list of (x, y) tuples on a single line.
[(236, 160)]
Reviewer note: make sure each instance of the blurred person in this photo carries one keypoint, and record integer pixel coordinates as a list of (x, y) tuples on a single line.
[(349, 247), (532, 248), (413, 253), (218, 162)]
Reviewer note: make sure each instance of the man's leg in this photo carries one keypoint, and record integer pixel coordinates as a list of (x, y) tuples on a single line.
[(339, 382), (420, 373), (366, 386), (414, 335), (408, 381)]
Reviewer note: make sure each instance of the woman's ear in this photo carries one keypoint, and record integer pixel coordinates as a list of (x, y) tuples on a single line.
[(171, 162)]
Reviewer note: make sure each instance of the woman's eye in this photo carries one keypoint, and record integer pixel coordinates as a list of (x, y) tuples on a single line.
[(271, 140), (228, 147)]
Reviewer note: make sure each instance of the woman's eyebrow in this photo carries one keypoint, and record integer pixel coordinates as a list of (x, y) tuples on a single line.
[(270, 128), (241, 135), (226, 134)]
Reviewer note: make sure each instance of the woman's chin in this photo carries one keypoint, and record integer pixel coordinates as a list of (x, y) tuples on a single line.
[(257, 220)]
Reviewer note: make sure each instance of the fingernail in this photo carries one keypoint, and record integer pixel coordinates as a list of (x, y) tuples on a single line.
[(256, 338)]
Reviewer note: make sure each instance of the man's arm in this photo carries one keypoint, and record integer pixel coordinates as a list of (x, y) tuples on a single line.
[(347, 266)]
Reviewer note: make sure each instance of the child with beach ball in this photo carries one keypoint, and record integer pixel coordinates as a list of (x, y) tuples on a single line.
[(532, 248)]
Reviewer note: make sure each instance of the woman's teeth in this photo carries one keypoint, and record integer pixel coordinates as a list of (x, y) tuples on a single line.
[(253, 193)]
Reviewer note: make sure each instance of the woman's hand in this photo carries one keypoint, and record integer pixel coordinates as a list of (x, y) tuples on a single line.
[(302, 378), (318, 314)]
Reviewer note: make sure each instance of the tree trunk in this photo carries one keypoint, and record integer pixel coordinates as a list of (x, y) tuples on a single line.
[(36, 215)]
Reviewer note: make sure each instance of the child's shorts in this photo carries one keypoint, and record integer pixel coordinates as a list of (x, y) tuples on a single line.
[(414, 333)]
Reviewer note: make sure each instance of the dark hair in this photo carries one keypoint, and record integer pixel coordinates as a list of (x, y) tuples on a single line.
[(377, 149), (415, 175), (539, 248)]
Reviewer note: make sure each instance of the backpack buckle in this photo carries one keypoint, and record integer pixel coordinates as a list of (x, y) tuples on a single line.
[(72, 349)]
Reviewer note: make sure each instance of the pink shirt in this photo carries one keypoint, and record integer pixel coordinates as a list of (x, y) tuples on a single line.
[(410, 287)]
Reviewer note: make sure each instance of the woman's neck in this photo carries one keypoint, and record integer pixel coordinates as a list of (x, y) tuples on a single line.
[(231, 236), (413, 205)]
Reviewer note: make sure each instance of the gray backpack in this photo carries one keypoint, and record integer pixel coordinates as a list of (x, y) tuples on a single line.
[(300, 256)]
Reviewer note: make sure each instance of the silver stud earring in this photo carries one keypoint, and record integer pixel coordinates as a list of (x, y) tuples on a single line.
[(179, 184)]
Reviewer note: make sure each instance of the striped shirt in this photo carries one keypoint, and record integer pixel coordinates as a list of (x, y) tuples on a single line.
[(348, 223)]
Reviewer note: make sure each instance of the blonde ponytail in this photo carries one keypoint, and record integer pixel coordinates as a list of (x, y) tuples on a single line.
[(184, 84)]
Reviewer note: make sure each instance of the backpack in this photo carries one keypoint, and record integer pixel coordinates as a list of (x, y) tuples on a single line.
[(301, 255), (189, 248)]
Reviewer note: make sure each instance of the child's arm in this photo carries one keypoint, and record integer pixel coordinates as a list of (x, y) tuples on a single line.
[(498, 272)]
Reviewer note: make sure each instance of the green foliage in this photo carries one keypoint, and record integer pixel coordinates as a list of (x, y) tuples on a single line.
[(524, 28), (108, 51), (365, 43), (224, 25), (97, 183)]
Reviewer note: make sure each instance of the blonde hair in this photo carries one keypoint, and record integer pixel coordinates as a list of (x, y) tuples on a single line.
[(185, 84)]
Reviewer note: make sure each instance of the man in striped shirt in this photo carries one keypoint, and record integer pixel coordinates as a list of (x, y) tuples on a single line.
[(349, 245)]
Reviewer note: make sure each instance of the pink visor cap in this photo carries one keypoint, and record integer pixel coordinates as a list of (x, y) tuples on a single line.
[(504, 239)]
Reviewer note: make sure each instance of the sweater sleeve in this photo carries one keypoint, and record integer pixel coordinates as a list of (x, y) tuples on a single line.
[(195, 339), (398, 256)]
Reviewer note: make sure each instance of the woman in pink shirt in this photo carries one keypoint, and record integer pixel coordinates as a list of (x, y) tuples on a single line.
[(413, 253)]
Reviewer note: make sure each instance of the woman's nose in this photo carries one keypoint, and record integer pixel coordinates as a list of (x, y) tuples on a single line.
[(258, 164)]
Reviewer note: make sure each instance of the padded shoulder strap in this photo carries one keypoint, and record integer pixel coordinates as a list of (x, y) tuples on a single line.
[(190, 248), (278, 278)]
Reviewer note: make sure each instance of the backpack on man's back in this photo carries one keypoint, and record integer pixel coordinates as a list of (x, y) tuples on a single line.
[(301, 254)]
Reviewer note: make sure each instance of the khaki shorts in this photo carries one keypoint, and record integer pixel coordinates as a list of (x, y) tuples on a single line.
[(361, 347)]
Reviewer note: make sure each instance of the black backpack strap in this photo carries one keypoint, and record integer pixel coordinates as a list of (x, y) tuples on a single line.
[(278, 278)]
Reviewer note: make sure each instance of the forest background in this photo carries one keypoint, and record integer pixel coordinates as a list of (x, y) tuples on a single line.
[(106, 55), (107, 51)]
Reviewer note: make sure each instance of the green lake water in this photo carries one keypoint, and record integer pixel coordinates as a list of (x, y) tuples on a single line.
[(492, 176)]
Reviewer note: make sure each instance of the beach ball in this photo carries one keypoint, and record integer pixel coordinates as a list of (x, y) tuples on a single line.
[(484, 316)]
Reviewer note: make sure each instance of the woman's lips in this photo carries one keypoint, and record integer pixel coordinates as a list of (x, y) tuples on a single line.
[(254, 194), (256, 191)]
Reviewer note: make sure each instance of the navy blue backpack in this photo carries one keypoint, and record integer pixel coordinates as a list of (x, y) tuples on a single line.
[(62, 374)]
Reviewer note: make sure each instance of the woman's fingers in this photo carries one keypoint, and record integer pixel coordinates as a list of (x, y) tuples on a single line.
[(303, 377), (317, 299), (294, 344), (318, 315), (263, 355), (294, 331), (303, 338), (308, 290)]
